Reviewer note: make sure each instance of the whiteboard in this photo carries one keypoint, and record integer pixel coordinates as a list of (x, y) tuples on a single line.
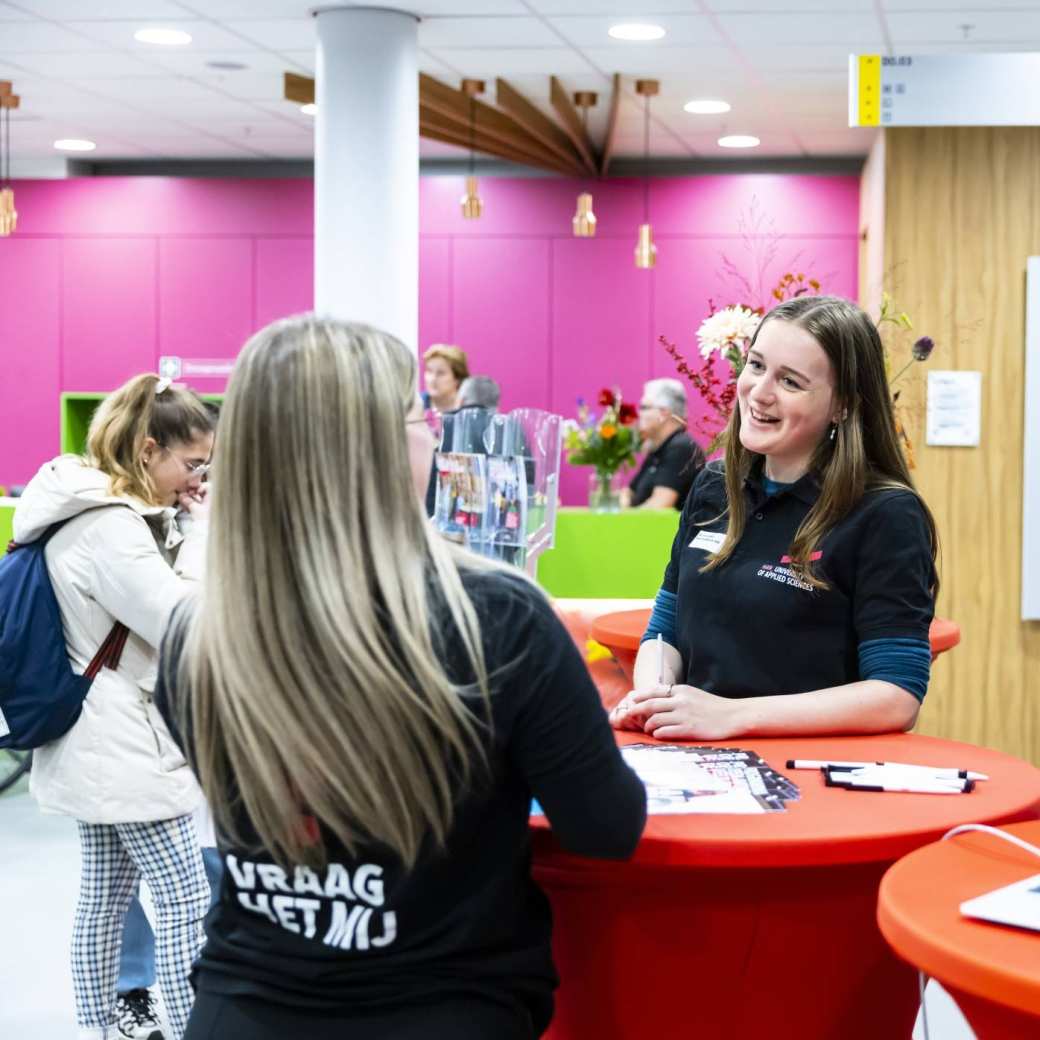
[(1031, 454)]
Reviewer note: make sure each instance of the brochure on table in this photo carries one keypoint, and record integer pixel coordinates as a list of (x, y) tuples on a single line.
[(683, 779)]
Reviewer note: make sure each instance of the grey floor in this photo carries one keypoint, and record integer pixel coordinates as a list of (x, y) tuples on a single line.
[(39, 869)]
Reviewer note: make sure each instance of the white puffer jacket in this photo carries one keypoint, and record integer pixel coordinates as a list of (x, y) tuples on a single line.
[(116, 560)]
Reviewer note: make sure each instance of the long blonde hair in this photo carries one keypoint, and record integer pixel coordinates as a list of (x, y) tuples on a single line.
[(313, 677), (864, 454), (125, 420)]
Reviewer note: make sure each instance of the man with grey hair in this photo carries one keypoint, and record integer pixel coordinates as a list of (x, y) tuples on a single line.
[(673, 459), (478, 392)]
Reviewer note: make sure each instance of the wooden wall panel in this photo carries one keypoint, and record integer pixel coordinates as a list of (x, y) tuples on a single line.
[(962, 214)]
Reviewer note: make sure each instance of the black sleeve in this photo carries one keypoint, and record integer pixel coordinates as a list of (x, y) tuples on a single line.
[(681, 462), (563, 745), (895, 574), (639, 485)]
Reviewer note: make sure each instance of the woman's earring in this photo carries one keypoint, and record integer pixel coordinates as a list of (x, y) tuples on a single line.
[(834, 431)]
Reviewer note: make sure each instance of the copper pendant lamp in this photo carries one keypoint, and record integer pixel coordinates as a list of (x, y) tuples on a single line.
[(8, 214), (583, 223), (471, 203), (646, 251)]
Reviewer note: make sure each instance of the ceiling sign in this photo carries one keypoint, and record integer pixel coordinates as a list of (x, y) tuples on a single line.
[(944, 90)]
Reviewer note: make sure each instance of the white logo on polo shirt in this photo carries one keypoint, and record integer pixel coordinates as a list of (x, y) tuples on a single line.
[(783, 575)]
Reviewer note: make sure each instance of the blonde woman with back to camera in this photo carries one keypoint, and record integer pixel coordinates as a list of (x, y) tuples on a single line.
[(134, 516), (370, 710)]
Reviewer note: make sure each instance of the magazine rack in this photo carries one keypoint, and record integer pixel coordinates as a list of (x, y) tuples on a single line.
[(497, 482)]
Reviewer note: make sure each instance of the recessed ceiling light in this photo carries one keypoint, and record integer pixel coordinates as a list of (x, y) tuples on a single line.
[(635, 31), (74, 144), (739, 141), (226, 66), (163, 37), (706, 107), (309, 109)]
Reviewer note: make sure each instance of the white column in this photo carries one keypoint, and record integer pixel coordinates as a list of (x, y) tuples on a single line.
[(366, 169)]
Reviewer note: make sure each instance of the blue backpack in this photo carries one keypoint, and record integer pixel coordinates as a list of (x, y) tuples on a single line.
[(40, 696)]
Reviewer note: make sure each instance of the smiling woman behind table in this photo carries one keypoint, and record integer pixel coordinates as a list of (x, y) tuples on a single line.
[(802, 580)]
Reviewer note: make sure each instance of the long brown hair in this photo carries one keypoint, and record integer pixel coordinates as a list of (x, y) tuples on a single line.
[(132, 414), (864, 455)]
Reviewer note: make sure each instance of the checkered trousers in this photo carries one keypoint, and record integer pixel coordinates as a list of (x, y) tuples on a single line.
[(114, 857)]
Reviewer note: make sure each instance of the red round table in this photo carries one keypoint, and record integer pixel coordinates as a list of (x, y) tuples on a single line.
[(991, 970), (735, 926), (621, 631)]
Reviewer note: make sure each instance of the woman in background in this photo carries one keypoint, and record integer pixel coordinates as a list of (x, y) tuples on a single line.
[(370, 711), (445, 368)]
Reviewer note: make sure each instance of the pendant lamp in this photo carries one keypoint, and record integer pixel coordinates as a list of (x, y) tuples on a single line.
[(8, 214), (471, 202), (646, 251), (584, 220)]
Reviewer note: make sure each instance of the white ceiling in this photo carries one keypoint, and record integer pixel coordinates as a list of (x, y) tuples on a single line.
[(80, 73)]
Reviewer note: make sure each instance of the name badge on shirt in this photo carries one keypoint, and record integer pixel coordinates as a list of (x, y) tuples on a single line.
[(709, 541)]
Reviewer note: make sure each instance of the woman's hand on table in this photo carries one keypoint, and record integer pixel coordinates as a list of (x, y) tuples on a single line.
[(678, 713), (626, 714)]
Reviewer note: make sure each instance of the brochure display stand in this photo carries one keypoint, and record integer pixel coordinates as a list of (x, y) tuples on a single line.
[(497, 482)]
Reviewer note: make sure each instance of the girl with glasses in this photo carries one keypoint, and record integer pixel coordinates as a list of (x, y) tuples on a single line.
[(133, 524)]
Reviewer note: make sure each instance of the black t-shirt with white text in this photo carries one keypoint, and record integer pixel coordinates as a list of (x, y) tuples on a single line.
[(363, 934)]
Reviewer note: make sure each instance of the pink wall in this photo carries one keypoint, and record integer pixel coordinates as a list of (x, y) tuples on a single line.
[(106, 274)]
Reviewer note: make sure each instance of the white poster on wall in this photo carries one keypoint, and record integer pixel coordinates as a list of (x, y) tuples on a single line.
[(1031, 452), (954, 409)]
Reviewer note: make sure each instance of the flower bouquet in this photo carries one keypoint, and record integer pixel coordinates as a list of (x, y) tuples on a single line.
[(920, 350), (608, 441)]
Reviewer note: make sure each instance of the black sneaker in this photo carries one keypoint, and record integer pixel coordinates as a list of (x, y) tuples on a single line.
[(136, 1015)]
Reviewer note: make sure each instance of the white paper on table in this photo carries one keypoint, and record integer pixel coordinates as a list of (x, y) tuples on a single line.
[(676, 783), (662, 767), (667, 801), (1017, 904)]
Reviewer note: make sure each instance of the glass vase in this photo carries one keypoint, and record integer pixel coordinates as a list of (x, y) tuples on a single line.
[(604, 492)]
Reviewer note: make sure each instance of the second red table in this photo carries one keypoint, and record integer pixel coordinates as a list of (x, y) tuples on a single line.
[(621, 631)]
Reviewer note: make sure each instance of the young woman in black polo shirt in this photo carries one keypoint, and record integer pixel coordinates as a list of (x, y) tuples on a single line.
[(370, 710), (802, 580)]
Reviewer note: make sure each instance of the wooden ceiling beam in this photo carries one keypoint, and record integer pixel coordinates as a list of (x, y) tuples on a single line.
[(571, 123), (612, 124), (538, 124), (456, 107), (520, 133), (298, 88), (436, 127)]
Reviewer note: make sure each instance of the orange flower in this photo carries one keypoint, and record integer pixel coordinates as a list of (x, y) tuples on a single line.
[(607, 430)]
